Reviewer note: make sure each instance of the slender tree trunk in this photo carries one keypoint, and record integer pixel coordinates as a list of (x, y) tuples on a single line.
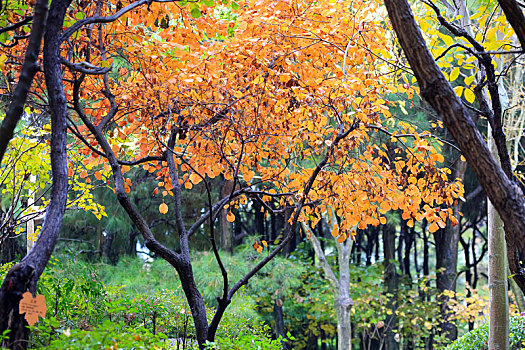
[(341, 287), (29, 69), (24, 275), (278, 318), (498, 297), (391, 284), (342, 298), (226, 227), (518, 295), (447, 241)]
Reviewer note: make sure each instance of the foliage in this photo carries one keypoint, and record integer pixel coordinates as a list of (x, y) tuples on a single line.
[(86, 313), (478, 338), (265, 120), (108, 335), (257, 339)]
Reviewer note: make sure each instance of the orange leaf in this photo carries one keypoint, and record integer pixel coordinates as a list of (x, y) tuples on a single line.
[(230, 217), (163, 208)]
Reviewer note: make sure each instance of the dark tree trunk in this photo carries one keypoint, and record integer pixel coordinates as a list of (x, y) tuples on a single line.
[(278, 318), (447, 241), (11, 249), (391, 284), (401, 241), (27, 73), (409, 240), (226, 226), (24, 275), (426, 269), (503, 192), (108, 243), (131, 249)]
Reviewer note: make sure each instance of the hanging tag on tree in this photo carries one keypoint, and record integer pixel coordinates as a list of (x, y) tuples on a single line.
[(33, 307)]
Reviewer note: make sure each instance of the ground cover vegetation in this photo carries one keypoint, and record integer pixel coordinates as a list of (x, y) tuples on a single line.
[(253, 174)]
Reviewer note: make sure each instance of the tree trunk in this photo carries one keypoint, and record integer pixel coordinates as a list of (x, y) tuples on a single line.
[(498, 297), (278, 319), (505, 194), (195, 301), (226, 226), (518, 295), (342, 297), (447, 241), (391, 284), (24, 275), (340, 287)]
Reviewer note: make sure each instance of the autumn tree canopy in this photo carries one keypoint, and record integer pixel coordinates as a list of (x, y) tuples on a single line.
[(287, 100)]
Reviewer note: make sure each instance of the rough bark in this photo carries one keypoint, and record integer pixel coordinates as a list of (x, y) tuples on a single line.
[(505, 195), (29, 69), (24, 275)]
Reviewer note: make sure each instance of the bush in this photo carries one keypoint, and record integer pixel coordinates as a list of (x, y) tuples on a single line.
[(255, 339), (478, 338), (86, 312)]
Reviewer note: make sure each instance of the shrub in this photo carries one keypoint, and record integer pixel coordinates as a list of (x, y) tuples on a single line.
[(255, 339), (478, 338)]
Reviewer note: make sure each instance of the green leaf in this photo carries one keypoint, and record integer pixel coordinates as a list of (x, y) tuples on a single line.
[(195, 12), (208, 3), (80, 15), (235, 6)]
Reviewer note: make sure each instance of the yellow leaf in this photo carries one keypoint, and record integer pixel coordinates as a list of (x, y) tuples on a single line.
[(469, 80), (459, 90), (163, 208), (491, 33), (3, 60), (469, 96), (446, 39), (454, 74)]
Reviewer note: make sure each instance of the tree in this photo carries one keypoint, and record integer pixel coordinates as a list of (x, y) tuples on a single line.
[(497, 180), (272, 97), (275, 125), (24, 275)]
